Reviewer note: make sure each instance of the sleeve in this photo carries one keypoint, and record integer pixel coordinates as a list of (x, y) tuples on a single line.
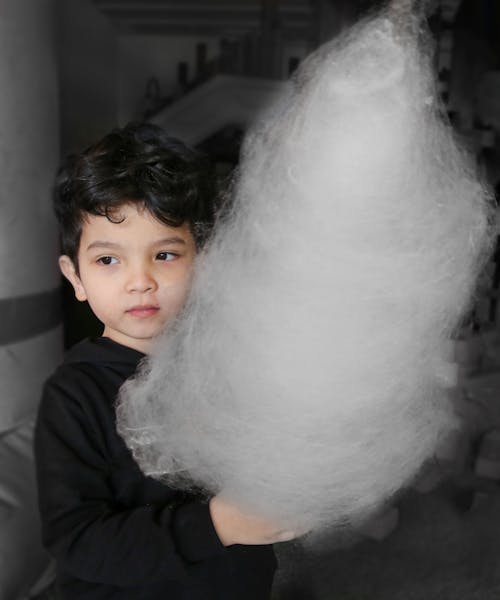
[(82, 526)]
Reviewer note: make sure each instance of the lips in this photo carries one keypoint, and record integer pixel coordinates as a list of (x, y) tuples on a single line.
[(143, 311)]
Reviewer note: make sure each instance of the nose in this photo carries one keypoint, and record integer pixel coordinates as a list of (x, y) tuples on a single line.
[(140, 280)]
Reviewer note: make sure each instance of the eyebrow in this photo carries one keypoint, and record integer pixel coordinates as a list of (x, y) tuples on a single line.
[(104, 244), (169, 240)]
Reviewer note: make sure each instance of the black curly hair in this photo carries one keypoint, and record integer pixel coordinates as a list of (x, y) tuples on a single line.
[(137, 163)]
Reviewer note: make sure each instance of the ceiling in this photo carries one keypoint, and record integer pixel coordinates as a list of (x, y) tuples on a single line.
[(207, 17)]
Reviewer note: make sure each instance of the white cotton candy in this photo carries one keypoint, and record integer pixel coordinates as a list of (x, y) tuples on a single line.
[(307, 378)]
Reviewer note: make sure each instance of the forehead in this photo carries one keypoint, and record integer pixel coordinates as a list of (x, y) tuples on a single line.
[(130, 224)]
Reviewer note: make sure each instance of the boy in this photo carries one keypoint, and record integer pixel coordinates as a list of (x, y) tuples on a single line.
[(133, 211)]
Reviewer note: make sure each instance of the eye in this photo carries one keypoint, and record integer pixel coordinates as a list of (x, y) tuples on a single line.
[(166, 256), (107, 260)]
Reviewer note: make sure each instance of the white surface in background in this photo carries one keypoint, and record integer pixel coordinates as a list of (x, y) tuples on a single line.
[(24, 366), (221, 101)]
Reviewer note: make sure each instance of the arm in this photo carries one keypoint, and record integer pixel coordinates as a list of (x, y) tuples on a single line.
[(91, 536)]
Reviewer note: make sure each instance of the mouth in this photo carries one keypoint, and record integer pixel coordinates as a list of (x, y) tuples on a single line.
[(143, 311)]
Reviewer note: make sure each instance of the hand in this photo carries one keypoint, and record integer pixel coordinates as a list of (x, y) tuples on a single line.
[(236, 527)]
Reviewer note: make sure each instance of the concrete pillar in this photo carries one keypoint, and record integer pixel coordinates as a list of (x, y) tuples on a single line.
[(30, 331)]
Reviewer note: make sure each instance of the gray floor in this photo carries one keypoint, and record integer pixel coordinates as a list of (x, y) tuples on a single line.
[(446, 547)]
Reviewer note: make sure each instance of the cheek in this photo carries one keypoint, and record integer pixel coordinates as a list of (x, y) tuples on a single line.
[(103, 302), (179, 293), (175, 294), (179, 277)]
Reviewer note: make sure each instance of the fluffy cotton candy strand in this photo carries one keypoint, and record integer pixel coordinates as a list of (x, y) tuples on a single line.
[(306, 380)]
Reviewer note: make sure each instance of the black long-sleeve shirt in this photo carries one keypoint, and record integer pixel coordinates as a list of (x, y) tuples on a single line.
[(114, 532)]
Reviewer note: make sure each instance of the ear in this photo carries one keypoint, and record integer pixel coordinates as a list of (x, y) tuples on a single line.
[(69, 271)]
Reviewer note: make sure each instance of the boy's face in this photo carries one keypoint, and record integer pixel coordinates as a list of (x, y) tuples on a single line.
[(135, 274)]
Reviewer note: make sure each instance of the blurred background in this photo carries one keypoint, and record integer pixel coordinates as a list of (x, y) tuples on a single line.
[(71, 70), (203, 69)]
